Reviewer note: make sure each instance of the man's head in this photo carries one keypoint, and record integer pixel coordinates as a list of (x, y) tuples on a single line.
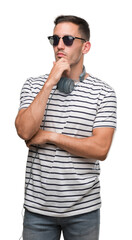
[(70, 39)]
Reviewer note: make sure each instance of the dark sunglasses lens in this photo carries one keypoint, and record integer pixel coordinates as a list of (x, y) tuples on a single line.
[(68, 40), (54, 40)]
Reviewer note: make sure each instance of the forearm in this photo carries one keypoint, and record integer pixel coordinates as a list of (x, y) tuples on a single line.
[(94, 147), (28, 121), (90, 147)]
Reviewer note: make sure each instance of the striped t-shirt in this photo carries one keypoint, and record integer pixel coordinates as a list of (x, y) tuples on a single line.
[(58, 183)]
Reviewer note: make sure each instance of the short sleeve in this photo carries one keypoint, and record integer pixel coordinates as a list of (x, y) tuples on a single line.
[(26, 96), (106, 113)]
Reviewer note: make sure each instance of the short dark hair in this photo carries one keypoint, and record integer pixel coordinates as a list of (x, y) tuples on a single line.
[(83, 25)]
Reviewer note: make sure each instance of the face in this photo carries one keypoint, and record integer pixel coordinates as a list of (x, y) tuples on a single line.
[(74, 54)]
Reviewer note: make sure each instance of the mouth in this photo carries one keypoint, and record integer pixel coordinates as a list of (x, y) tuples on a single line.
[(60, 54)]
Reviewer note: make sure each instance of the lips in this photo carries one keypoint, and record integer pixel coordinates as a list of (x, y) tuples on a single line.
[(60, 54)]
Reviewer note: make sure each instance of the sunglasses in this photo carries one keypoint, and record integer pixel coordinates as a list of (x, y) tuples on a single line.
[(67, 40)]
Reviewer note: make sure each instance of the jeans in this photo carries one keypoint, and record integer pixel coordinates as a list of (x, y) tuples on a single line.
[(79, 227)]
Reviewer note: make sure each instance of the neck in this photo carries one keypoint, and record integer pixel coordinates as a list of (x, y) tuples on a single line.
[(75, 72)]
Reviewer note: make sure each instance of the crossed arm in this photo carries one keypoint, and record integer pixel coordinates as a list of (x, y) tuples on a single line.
[(95, 147)]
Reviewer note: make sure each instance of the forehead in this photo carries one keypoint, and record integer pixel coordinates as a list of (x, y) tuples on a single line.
[(66, 28)]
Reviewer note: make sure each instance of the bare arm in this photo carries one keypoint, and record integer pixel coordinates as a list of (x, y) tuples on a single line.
[(28, 120), (95, 147)]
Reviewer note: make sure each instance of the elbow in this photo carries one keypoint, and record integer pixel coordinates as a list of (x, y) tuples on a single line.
[(23, 135), (102, 157), (21, 131), (103, 154)]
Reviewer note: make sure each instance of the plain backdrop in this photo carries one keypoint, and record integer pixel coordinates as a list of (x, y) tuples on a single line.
[(25, 52)]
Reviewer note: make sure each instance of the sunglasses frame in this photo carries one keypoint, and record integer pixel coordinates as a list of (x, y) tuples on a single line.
[(68, 45)]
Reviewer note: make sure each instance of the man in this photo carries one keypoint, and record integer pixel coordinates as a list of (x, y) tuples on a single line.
[(68, 129)]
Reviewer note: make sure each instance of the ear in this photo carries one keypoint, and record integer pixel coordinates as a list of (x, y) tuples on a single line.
[(86, 47)]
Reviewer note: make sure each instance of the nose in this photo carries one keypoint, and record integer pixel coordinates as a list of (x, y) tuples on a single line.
[(61, 44)]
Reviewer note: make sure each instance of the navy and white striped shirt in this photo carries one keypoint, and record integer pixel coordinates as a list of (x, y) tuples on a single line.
[(58, 183)]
